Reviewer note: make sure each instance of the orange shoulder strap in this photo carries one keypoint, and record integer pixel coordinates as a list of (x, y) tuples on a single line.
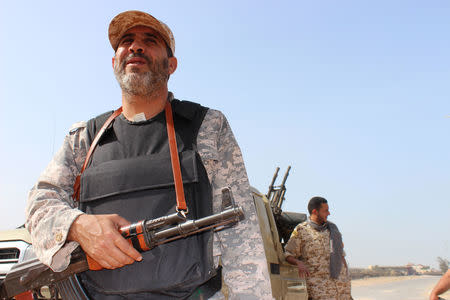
[(176, 169), (174, 158), (76, 186)]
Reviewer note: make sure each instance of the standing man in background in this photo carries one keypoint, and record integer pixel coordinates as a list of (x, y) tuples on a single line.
[(128, 178), (316, 248)]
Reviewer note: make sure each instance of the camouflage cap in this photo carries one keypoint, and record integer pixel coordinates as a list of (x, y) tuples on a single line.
[(132, 18)]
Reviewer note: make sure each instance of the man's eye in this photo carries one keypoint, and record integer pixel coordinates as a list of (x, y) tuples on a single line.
[(150, 41), (126, 41)]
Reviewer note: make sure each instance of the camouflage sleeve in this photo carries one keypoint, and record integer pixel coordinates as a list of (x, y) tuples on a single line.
[(50, 209), (241, 247), (294, 245)]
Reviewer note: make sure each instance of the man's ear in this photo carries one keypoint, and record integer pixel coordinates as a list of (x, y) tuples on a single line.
[(314, 211), (173, 63), (113, 60)]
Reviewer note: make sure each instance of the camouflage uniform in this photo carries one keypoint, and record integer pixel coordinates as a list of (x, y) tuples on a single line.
[(51, 210), (312, 247)]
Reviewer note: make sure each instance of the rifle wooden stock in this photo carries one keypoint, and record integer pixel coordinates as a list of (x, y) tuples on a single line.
[(32, 275)]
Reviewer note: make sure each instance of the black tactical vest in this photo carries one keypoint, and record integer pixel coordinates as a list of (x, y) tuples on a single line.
[(130, 174)]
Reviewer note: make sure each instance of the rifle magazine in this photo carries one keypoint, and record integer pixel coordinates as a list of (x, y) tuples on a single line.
[(71, 289)]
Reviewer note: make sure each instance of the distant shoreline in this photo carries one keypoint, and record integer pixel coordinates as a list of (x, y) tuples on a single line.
[(392, 271), (385, 279)]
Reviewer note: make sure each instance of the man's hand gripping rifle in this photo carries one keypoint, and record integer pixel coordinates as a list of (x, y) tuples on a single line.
[(144, 235)]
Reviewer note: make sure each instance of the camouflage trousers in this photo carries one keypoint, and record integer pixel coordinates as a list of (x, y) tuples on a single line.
[(329, 289)]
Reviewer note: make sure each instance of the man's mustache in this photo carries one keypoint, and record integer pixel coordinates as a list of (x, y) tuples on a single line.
[(133, 55)]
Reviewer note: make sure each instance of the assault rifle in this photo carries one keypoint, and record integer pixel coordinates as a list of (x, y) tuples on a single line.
[(144, 235), (286, 221)]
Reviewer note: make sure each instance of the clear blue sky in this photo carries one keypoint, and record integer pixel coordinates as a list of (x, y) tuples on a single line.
[(355, 95)]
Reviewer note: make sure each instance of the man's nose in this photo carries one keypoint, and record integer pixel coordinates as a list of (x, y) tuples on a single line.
[(136, 47)]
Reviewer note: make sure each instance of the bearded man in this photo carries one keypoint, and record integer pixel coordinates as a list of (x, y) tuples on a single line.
[(316, 248), (128, 177)]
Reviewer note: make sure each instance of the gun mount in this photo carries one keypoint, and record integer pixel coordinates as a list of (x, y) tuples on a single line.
[(286, 221), (276, 228)]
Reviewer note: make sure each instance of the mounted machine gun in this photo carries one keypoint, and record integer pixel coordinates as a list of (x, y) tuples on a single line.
[(286, 221)]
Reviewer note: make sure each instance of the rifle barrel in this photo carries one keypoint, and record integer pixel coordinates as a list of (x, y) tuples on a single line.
[(191, 227)]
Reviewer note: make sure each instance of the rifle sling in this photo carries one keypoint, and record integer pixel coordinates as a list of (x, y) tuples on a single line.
[(76, 186), (175, 160)]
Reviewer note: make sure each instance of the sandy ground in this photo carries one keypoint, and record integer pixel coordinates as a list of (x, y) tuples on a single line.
[(383, 281)]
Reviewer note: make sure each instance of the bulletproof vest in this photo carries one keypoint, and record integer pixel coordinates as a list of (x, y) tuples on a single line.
[(130, 174)]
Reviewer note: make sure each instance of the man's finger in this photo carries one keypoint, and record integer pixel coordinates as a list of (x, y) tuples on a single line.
[(115, 258), (119, 221), (128, 249)]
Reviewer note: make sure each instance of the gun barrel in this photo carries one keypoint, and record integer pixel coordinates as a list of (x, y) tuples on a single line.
[(175, 218), (281, 199), (285, 176), (275, 175), (272, 183), (153, 224), (191, 227), (280, 193)]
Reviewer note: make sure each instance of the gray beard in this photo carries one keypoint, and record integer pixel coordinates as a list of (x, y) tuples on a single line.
[(142, 84)]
